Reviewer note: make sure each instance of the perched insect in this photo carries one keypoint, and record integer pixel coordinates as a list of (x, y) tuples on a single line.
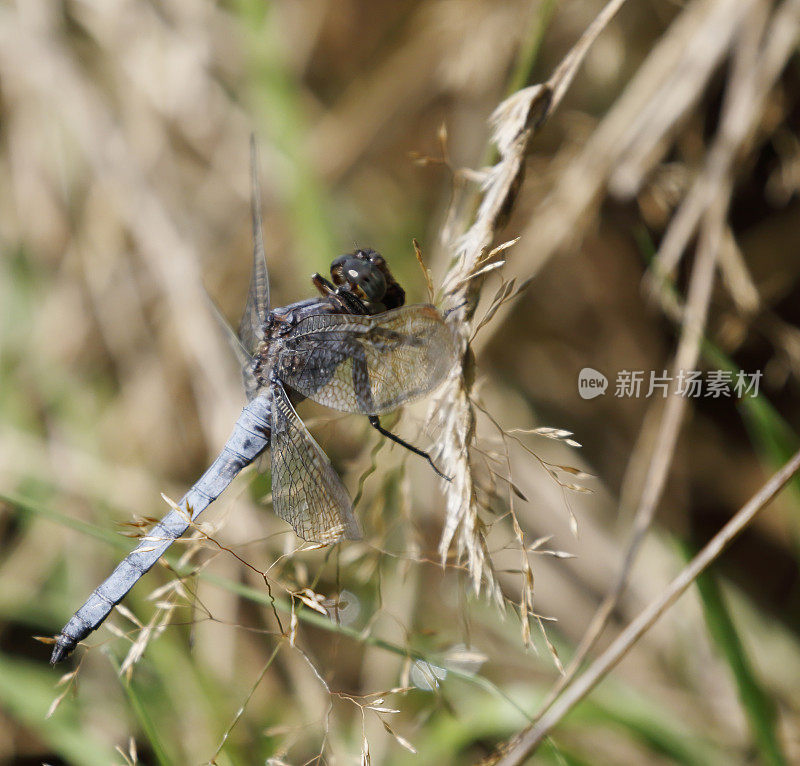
[(356, 348)]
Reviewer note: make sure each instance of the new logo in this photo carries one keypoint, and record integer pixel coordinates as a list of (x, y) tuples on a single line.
[(591, 383)]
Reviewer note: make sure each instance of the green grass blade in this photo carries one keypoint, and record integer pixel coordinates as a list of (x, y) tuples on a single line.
[(149, 727), (756, 702), (277, 100), (529, 51)]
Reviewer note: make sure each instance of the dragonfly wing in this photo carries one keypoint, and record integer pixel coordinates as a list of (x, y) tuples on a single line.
[(368, 364), (254, 319), (306, 491), (251, 384)]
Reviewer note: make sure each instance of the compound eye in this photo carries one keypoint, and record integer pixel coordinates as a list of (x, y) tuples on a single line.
[(373, 256), (366, 276)]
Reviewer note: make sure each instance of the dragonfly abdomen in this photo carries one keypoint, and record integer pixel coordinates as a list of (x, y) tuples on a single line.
[(249, 439)]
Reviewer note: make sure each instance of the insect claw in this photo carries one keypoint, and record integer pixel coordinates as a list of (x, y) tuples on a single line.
[(438, 472)]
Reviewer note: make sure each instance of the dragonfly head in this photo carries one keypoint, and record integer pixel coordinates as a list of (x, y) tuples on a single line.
[(365, 274)]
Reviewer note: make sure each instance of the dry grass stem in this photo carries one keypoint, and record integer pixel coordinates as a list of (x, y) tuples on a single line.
[(747, 89), (636, 133), (764, 46), (515, 121), (520, 749)]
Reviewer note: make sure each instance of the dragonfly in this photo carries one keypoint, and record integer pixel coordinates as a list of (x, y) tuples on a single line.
[(356, 348)]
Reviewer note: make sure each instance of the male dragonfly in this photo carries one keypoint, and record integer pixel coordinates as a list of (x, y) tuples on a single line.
[(356, 348)]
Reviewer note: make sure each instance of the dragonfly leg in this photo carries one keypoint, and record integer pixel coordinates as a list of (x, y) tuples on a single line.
[(349, 301), (323, 285), (375, 422)]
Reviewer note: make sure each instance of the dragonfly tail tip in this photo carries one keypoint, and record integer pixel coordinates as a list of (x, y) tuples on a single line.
[(61, 650)]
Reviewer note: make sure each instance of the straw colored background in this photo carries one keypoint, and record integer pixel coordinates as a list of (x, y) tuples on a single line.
[(124, 131)]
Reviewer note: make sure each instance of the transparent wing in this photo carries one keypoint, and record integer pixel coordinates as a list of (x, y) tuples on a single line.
[(251, 384), (251, 328), (368, 364), (306, 491)]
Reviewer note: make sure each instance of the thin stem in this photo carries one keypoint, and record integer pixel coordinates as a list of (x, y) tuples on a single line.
[(666, 440), (528, 741)]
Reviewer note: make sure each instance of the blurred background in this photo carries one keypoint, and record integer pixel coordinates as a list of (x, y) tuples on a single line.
[(124, 198)]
